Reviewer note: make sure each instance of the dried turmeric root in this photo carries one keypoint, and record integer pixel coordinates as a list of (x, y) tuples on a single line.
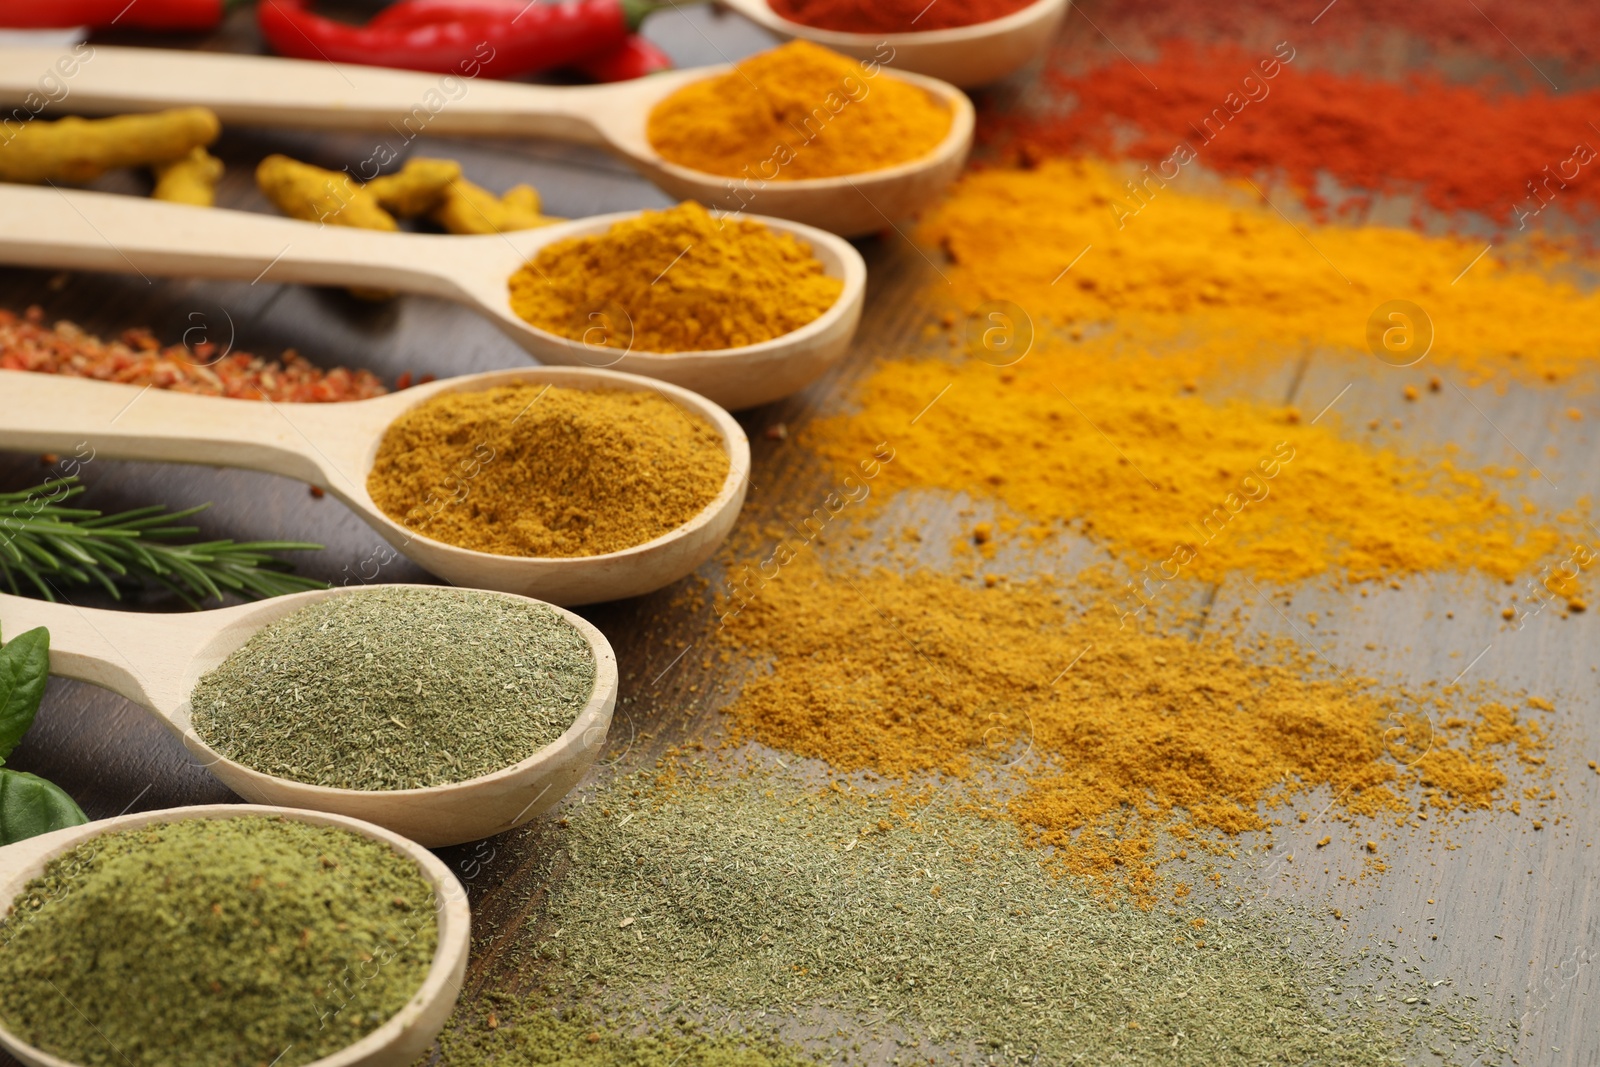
[(469, 208), (417, 188), (302, 191), (80, 150), (190, 180)]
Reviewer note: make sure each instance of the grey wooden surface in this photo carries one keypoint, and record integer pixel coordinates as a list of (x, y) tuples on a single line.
[(1515, 916)]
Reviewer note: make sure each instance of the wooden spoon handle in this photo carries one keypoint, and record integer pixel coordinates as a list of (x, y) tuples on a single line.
[(137, 655), (266, 91), (75, 230), (86, 419)]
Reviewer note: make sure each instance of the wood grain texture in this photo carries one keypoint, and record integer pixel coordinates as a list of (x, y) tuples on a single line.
[(1516, 913)]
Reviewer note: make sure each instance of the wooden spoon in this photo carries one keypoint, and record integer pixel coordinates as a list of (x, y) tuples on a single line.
[(398, 1042), (55, 228), (156, 660), (333, 446), (400, 105), (964, 55)]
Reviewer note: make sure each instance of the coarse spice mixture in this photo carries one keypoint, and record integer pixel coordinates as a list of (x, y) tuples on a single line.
[(229, 942), (1097, 730), (682, 280), (530, 470), (138, 358), (1111, 445), (397, 687), (893, 929), (1229, 281), (799, 111)]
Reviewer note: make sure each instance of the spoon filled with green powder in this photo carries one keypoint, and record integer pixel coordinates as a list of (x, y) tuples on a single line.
[(444, 714), (227, 936)]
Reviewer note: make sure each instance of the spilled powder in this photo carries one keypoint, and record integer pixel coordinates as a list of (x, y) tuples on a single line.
[(1096, 730), (1176, 486), (1233, 280)]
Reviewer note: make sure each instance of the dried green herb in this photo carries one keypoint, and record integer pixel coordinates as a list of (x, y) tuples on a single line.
[(397, 688), (765, 907), (503, 1034), (232, 942)]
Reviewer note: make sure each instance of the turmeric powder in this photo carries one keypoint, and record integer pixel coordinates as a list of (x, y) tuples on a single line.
[(798, 111), (1072, 720), (1230, 281), (534, 470), (191, 179), (683, 281), (80, 150)]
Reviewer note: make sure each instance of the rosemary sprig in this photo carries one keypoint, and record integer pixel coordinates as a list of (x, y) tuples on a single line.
[(41, 541)]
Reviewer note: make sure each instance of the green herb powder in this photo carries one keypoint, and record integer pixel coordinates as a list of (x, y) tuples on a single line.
[(397, 688), (233, 942)]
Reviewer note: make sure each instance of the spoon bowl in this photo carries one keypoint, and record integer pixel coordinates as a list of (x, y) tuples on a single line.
[(74, 230), (262, 90), (966, 56), (400, 1040), (333, 446), (155, 661)]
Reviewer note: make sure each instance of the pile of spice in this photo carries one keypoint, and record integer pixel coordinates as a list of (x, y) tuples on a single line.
[(1113, 726), (544, 471), (894, 16), (138, 358), (796, 112), (1074, 242), (397, 687), (876, 929), (1172, 484), (230, 941), (682, 280), (1242, 112)]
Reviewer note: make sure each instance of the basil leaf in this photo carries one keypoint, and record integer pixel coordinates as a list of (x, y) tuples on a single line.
[(30, 806), (24, 670)]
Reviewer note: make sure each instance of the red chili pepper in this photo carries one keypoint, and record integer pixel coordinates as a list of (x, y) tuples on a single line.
[(140, 14), (471, 38), (635, 59)]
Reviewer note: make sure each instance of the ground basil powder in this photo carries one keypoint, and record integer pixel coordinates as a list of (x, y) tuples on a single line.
[(397, 687), (232, 942)]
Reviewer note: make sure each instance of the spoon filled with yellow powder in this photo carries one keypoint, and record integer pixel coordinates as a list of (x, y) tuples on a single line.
[(798, 132)]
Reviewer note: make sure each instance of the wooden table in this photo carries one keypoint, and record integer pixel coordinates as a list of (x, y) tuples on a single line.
[(1517, 914)]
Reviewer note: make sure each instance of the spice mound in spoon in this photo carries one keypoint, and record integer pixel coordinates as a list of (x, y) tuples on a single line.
[(530, 470), (799, 111), (228, 942), (682, 280), (397, 688), (894, 16)]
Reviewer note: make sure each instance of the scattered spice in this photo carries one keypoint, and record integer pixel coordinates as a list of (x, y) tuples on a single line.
[(683, 281), (894, 16), (1234, 280), (80, 150), (397, 687), (920, 929), (138, 358), (545, 471), (191, 179), (798, 111), (229, 941), (1117, 727), (1175, 485), (1514, 153)]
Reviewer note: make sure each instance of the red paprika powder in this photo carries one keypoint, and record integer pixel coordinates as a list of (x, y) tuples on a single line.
[(893, 16)]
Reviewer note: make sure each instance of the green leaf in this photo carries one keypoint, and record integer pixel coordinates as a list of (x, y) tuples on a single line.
[(24, 669), (30, 806)]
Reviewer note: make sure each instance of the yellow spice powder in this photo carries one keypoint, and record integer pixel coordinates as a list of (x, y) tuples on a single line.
[(675, 281), (1071, 722), (533, 470), (798, 111), (1230, 280)]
